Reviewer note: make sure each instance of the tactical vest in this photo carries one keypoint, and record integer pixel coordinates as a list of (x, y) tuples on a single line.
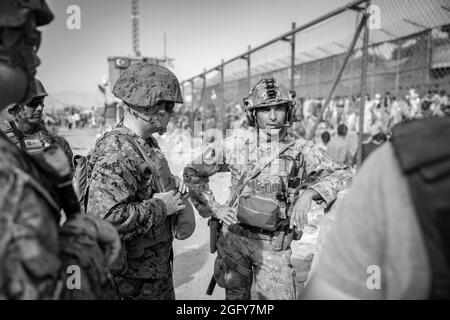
[(423, 151), (163, 183), (267, 198), (177, 225), (32, 145)]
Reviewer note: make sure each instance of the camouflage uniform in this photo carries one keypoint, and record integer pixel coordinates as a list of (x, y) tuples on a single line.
[(121, 191), (122, 185), (266, 254)]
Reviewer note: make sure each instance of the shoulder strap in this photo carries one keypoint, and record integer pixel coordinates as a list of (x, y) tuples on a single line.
[(423, 152), (13, 133), (247, 176), (430, 137), (139, 149)]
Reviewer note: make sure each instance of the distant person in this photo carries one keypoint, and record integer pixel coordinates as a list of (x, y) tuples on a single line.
[(325, 137), (368, 147), (339, 148), (28, 131)]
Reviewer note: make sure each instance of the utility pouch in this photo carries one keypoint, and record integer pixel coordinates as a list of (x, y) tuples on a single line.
[(258, 210)]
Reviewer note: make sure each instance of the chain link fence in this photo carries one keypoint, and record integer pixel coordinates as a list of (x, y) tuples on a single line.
[(406, 61)]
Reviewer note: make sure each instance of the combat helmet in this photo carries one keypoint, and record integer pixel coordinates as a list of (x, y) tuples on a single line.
[(144, 85), (40, 90), (19, 42), (268, 93)]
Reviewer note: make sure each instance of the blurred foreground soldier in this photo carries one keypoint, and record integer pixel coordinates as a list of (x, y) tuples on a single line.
[(132, 187), (391, 235), (37, 257), (27, 131), (274, 179)]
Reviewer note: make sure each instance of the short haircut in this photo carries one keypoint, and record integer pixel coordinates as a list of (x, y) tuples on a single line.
[(325, 136), (342, 130)]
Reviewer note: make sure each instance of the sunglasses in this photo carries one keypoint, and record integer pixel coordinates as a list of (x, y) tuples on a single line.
[(36, 103), (169, 107)]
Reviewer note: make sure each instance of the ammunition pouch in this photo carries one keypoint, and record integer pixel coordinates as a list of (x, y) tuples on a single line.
[(258, 210)]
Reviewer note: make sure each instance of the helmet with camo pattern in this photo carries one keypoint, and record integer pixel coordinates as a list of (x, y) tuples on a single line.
[(145, 84)]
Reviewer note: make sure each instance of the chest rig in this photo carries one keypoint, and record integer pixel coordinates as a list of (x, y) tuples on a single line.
[(33, 145), (181, 225), (162, 182), (267, 198)]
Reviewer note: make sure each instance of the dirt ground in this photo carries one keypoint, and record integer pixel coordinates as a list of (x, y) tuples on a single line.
[(193, 262)]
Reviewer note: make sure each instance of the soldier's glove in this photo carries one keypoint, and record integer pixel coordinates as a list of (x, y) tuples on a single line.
[(98, 230)]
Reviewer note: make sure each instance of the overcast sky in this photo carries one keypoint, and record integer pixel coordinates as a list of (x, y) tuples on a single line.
[(199, 34)]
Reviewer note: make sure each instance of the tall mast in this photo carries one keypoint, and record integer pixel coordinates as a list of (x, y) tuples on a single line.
[(135, 27)]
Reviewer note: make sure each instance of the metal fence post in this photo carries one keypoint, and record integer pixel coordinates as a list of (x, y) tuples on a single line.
[(222, 97), (249, 73), (363, 87), (293, 58), (192, 104), (363, 24), (182, 89)]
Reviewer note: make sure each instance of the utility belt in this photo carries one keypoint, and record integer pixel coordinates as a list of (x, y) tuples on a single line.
[(271, 187), (252, 232), (280, 239)]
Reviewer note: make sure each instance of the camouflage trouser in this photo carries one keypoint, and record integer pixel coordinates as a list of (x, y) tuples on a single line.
[(272, 271), (149, 275)]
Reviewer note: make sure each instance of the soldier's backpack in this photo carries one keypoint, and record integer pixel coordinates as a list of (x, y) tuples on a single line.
[(422, 148), (183, 224)]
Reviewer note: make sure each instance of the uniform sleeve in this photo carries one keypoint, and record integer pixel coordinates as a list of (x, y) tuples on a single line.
[(112, 194), (67, 150), (196, 177), (325, 175)]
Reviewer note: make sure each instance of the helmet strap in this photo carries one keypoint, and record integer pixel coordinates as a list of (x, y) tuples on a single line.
[(154, 119)]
